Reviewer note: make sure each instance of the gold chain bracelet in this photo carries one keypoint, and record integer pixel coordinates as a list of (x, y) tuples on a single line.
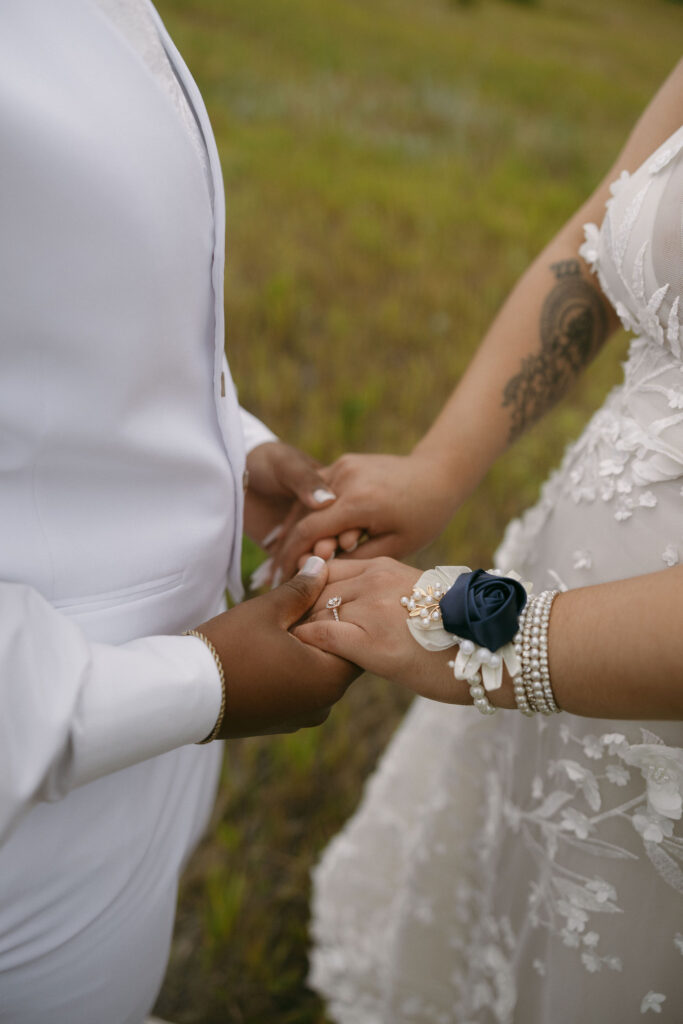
[(219, 665)]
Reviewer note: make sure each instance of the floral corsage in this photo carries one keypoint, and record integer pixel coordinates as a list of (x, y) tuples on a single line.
[(477, 611)]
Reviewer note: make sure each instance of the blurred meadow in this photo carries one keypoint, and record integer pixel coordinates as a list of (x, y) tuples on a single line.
[(391, 167)]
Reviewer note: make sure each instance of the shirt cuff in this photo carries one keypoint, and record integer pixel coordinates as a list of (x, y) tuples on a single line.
[(255, 432), (145, 698)]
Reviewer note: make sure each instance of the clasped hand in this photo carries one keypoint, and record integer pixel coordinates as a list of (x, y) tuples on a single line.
[(372, 631), (274, 682), (397, 504)]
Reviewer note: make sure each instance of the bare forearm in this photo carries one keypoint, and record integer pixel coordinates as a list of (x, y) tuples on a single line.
[(551, 326), (616, 650)]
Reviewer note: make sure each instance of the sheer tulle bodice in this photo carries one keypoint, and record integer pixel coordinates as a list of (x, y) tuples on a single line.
[(503, 869)]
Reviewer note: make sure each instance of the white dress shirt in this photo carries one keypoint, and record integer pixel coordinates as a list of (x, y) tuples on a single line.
[(122, 451)]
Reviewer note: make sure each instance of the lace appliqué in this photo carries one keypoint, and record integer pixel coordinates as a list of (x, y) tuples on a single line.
[(572, 808)]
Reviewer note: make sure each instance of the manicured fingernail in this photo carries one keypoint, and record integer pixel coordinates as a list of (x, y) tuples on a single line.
[(261, 575), (353, 547), (322, 495), (313, 566), (270, 537), (277, 579)]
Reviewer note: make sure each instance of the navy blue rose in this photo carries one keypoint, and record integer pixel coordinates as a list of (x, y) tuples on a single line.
[(483, 608)]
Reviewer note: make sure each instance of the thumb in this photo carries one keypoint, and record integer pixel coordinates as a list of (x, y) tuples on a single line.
[(295, 597)]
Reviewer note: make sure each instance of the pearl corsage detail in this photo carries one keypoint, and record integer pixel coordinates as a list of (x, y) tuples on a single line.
[(479, 667)]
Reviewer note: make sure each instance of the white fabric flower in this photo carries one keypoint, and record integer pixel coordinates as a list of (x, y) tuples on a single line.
[(670, 555), (591, 962), (675, 399), (615, 742), (590, 249), (576, 916), (652, 827), (582, 559), (617, 774), (592, 747), (652, 1001), (576, 822), (662, 769), (617, 185), (602, 890)]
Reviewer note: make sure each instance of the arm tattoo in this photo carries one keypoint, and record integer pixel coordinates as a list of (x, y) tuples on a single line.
[(573, 327)]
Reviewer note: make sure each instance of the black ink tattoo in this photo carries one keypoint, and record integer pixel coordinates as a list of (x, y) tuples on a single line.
[(573, 327)]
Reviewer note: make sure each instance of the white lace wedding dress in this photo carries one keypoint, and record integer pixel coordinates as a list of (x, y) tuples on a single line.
[(505, 869)]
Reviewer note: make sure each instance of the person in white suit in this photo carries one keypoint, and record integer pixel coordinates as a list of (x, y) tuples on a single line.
[(122, 461)]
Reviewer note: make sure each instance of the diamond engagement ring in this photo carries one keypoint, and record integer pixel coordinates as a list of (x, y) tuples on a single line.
[(334, 603)]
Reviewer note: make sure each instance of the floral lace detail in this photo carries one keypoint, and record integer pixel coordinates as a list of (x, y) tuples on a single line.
[(632, 443), (575, 807), (605, 251)]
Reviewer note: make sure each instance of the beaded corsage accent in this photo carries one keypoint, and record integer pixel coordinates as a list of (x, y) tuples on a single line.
[(484, 595)]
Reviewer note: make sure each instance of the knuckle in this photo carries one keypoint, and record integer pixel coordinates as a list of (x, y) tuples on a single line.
[(298, 585), (302, 533), (323, 633)]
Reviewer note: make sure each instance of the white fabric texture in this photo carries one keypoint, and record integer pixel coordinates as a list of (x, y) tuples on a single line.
[(510, 870), (121, 470)]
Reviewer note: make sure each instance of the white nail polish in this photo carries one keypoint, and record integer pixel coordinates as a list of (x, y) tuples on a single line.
[(322, 495), (270, 537), (313, 566), (277, 579), (261, 575)]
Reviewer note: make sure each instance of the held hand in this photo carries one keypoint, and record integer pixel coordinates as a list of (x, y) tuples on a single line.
[(282, 482), (372, 629), (274, 682), (401, 502)]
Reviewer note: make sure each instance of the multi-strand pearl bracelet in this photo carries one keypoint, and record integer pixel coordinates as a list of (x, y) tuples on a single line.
[(532, 689)]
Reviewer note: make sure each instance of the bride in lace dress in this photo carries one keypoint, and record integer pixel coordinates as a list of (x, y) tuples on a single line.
[(503, 868)]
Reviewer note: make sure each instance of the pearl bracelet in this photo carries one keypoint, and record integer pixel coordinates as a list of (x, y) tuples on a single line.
[(221, 675), (532, 688)]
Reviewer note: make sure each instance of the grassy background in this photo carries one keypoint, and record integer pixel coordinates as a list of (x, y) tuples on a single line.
[(391, 166)]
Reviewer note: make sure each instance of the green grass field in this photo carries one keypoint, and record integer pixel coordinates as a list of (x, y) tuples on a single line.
[(391, 166)]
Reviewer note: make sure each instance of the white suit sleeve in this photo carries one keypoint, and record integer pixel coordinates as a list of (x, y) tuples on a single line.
[(72, 711), (255, 432)]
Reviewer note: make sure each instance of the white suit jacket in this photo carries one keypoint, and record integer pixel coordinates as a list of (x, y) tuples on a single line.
[(121, 439)]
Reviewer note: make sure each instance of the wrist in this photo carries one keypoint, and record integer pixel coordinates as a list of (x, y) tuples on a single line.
[(436, 474), (452, 469)]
